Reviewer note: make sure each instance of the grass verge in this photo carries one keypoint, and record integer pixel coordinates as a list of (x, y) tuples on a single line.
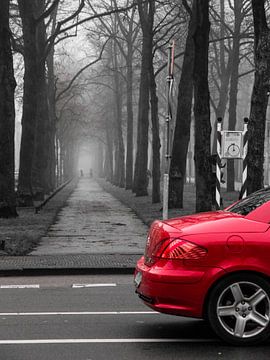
[(148, 212), (20, 235)]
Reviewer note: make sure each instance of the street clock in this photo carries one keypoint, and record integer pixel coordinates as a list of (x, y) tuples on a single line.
[(232, 145)]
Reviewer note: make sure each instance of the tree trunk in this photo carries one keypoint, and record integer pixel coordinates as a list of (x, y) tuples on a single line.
[(27, 13), (225, 74), (234, 87), (108, 163), (69, 158), (146, 12), (129, 156), (52, 110), (182, 126), (100, 160), (155, 139), (41, 166), (201, 107), (120, 154), (52, 120), (7, 118), (259, 99), (140, 173)]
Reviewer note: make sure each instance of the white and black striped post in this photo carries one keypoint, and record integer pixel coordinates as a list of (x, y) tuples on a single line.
[(218, 163), (243, 192)]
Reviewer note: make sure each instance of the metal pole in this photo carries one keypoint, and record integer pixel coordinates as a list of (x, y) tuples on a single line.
[(243, 192), (168, 125), (218, 163)]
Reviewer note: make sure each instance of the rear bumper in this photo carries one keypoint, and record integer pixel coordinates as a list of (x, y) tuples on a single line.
[(173, 288)]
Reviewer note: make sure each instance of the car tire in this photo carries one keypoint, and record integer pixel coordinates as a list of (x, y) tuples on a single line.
[(238, 309)]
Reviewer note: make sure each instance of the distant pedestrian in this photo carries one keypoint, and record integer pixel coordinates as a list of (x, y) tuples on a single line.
[(81, 172), (90, 173)]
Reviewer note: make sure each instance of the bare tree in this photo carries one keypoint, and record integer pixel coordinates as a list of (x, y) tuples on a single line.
[(239, 16), (146, 12), (129, 30), (259, 99), (183, 120), (27, 12), (202, 106)]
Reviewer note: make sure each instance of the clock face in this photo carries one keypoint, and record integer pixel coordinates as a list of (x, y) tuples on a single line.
[(233, 150)]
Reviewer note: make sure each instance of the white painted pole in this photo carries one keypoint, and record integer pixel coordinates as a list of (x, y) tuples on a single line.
[(218, 164), (243, 192), (168, 132)]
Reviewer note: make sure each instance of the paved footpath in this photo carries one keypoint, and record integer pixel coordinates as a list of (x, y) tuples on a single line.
[(93, 222)]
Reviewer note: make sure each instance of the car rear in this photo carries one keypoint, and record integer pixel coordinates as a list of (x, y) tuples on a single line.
[(173, 276)]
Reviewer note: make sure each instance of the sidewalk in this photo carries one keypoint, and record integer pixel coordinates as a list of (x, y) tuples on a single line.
[(101, 228), (93, 222), (92, 231)]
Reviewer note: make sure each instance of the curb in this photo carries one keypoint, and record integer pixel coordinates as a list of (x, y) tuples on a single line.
[(40, 206), (69, 264)]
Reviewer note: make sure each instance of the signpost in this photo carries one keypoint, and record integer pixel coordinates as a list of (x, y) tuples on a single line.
[(231, 145), (170, 81)]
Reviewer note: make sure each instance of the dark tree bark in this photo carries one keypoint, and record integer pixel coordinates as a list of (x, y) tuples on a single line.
[(259, 99), (7, 118), (52, 119), (201, 107), (27, 13), (119, 171), (146, 12), (234, 85), (129, 156), (52, 109), (182, 126), (37, 145), (224, 69), (41, 166), (130, 33)]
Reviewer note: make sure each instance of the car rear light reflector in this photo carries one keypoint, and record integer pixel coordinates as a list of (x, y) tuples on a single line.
[(183, 250)]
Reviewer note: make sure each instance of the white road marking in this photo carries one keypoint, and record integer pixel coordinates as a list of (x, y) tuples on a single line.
[(79, 313), (32, 286), (97, 341), (37, 286), (92, 285)]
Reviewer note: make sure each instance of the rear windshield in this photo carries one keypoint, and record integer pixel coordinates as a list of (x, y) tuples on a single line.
[(250, 203)]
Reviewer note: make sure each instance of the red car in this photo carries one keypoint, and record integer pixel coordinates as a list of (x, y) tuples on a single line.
[(213, 265)]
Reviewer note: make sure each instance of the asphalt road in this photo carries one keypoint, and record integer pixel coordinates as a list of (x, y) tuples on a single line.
[(99, 317)]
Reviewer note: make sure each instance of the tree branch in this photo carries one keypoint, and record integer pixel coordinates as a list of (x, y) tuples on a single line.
[(81, 71), (47, 12), (187, 7), (106, 13)]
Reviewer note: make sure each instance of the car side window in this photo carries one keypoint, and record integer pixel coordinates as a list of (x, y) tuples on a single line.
[(250, 203)]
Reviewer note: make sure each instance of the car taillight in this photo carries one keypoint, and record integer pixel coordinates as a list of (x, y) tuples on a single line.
[(156, 237), (164, 244), (181, 250)]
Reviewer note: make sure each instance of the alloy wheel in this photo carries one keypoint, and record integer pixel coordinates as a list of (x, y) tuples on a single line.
[(238, 309), (243, 309)]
